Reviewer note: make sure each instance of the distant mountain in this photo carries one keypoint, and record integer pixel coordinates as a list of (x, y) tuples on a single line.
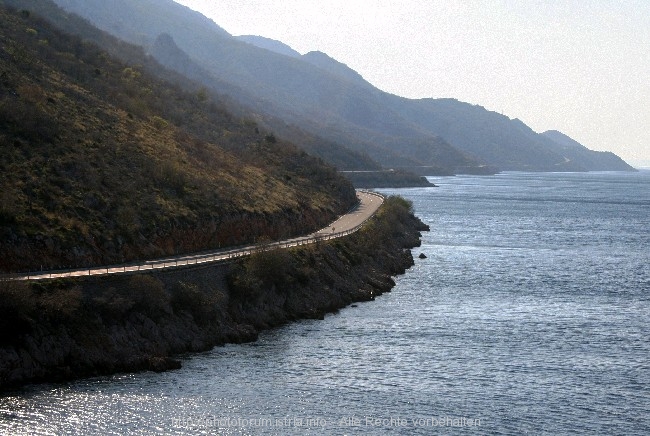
[(168, 54), (592, 160), (563, 140), (316, 58), (140, 21), (299, 93), (506, 143), (326, 63), (330, 100), (270, 45)]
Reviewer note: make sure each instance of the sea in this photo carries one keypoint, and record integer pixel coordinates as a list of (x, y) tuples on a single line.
[(529, 315)]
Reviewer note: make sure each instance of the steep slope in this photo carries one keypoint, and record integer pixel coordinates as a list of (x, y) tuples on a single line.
[(330, 100), (102, 162), (247, 104), (269, 44), (138, 20), (506, 143), (296, 91), (171, 56), (326, 63), (494, 138), (591, 160)]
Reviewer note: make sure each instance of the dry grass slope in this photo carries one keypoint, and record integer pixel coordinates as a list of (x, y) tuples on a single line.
[(101, 162)]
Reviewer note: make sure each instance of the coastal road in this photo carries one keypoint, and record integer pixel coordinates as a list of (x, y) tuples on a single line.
[(368, 204), (346, 224)]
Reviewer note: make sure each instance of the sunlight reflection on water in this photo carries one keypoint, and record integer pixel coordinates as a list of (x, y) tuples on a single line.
[(530, 313)]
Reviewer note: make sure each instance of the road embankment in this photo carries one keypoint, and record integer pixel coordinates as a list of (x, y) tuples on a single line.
[(63, 329)]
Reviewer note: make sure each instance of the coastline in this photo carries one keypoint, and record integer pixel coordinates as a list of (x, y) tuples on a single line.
[(82, 327)]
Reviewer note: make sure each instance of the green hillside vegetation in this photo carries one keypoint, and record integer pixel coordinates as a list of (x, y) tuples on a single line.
[(102, 162)]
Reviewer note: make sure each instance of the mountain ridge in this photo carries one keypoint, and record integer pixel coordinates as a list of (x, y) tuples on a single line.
[(331, 65), (269, 44), (598, 160), (229, 58), (323, 99)]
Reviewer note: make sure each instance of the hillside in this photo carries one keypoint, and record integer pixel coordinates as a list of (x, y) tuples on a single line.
[(291, 89), (168, 54), (269, 44), (594, 160), (103, 162), (247, 104), (332, 101), (505, 143), (62, 329)]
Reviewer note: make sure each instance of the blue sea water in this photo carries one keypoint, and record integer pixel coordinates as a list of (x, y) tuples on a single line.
[(530, 315)]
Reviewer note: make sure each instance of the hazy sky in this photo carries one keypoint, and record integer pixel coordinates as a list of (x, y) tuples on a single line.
[(581, 66)]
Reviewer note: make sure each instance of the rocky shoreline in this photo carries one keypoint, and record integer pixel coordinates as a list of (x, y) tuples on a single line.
[(73, 328)]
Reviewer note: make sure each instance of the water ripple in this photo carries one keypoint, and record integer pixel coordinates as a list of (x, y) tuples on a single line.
[(530, 313)]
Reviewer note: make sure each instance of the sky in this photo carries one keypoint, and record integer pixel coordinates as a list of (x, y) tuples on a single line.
[(578, 66)]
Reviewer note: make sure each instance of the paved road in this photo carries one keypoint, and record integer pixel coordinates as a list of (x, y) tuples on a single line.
[(368, 205), (344, 225)]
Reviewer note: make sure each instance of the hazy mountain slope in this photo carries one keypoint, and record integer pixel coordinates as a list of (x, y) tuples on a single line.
[(102, 162), (441, 158), (284, 119), (299, 93), (269, 44), (506, 143), (592, 160), (496, 139), (330, 100), (328, 105), (141, 21), (170, 55), (316, 58), (324, 62)]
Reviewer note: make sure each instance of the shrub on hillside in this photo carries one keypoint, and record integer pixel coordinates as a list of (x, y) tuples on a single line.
[(149, 296), (264, 269), (17, 307), (189, 298)]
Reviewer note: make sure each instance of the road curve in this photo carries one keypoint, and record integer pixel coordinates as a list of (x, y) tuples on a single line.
[(346, 224)]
